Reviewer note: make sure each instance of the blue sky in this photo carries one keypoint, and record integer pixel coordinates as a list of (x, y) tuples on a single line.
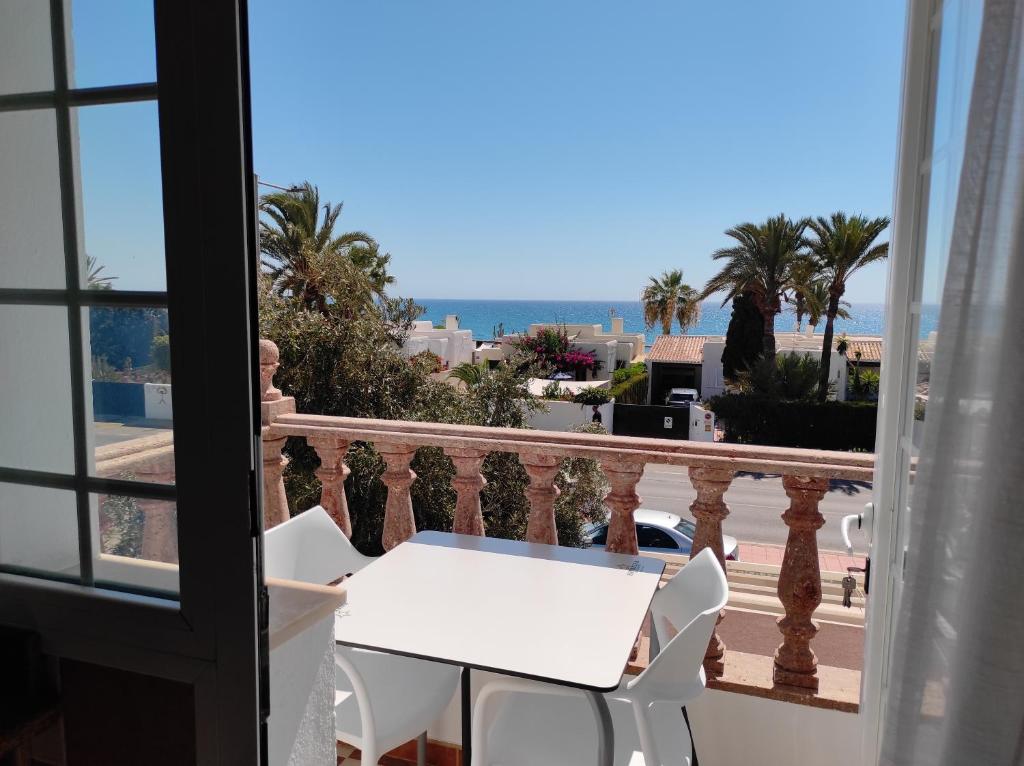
[(559, 149)]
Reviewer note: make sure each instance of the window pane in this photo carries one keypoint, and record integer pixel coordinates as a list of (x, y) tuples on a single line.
[(122, 197), (27, 64), (31, 228), (130, 374), (38, 531), (138, 541), (113, 43), (35, 410)]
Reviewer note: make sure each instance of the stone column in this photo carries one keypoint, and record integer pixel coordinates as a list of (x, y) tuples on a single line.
[(399, 522), (800, 583), (332, 474), (272, 404), (622, 500), (468, 482), (542, 493), (709, 509)]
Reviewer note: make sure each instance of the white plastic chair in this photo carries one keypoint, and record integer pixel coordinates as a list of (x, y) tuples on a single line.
[(516, 721), (380, 700)]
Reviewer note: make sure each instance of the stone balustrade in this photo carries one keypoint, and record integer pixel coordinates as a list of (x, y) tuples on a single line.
[(711, 468)]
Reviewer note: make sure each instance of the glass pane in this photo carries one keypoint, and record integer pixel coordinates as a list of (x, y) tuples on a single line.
[(138, 541), (38, 531), (122, 197), (130, 372), (36, 430), (25, 45), (31, 228), (112, 43)]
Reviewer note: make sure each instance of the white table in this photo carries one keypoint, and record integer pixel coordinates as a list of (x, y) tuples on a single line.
[(562, 615)]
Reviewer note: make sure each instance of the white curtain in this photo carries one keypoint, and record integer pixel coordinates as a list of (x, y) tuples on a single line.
[(956, 691)]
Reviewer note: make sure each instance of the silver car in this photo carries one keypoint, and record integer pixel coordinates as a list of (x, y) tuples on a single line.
[(661, 532)]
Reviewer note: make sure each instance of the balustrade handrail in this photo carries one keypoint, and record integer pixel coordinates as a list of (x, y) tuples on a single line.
[(735, 457)]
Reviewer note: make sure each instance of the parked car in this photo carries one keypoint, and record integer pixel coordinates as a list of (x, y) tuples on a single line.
[(661, 532), (681, 397)]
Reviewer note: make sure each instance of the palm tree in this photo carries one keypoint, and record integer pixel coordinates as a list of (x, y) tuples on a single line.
[(803, 276), (842, 245), (670, 298), (817, 303), (760, 265), (470, 374), (305, 259), (95, 279), (374, 264)]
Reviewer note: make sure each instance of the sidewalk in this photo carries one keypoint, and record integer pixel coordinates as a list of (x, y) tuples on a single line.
[(828, 561)]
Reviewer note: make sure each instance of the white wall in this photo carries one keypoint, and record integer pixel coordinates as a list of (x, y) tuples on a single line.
[(733, 729), (713, 383), (564, 415), (454, 346)]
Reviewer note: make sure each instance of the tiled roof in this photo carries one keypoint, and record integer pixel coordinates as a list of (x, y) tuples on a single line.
[(870, 350), (688, 349)]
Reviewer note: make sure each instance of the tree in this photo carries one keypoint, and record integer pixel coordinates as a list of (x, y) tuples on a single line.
[(744, 339), (842, 245), (95, 279), (803, 279), (670, 298), (760, 265), (306, 260)]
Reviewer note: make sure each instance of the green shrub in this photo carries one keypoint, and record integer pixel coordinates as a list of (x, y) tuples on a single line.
[(631, 391), (755, 419), (592, 396), (789, 376), (160, 351), (624, 374)]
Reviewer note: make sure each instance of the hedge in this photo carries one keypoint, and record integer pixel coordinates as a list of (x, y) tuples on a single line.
[(751, 419), (631, 391)]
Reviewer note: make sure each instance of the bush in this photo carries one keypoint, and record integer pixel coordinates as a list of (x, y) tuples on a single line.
[(789, 376), (631, 391), (592, 396), (624, 374), (864, 384), (754, 419), (428, 362), (161, 352)]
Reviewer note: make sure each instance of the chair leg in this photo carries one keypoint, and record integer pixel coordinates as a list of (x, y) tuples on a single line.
[(421, 749), (693, 745)]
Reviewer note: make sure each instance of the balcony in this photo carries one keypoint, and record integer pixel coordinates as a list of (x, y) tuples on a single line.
[(820, 698)]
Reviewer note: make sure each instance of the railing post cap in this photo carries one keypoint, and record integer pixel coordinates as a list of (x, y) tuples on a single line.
[(269, 356)]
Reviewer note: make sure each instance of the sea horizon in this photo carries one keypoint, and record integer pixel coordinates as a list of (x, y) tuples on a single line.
[(487, 318)]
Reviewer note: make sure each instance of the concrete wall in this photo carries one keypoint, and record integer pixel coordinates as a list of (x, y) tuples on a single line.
[(713, 383), (562, 416)]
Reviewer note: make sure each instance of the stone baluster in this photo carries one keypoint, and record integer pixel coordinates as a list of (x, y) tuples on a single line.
[(542, 493), (800, 583), (622, 500), (468, 482), (709, 509), (272, 404), (399, 521), (332, 474)]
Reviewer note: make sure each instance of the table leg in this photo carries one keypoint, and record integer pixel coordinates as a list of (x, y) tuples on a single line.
[(605, 732), (467, 720)]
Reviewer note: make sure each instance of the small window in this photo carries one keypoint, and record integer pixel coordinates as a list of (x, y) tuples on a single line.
[(687, 528), (652, 537)]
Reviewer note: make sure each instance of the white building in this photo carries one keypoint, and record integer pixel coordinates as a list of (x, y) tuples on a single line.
[(453, 345)]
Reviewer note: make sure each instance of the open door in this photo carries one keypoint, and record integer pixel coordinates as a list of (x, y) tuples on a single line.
[(941, 48), (130, 524)]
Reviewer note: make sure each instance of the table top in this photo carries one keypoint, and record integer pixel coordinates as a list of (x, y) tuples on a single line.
[(564, 615)]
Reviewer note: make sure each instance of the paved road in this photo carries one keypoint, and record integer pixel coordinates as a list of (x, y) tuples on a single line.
[(105, 433), (755, 503)]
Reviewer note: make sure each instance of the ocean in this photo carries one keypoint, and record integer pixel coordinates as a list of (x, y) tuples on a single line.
[(487, 318)]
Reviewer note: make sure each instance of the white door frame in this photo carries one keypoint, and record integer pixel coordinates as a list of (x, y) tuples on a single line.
[(893, 447)]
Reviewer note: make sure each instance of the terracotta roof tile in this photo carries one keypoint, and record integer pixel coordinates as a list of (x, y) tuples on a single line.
[(688, 349), (870, 350)]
